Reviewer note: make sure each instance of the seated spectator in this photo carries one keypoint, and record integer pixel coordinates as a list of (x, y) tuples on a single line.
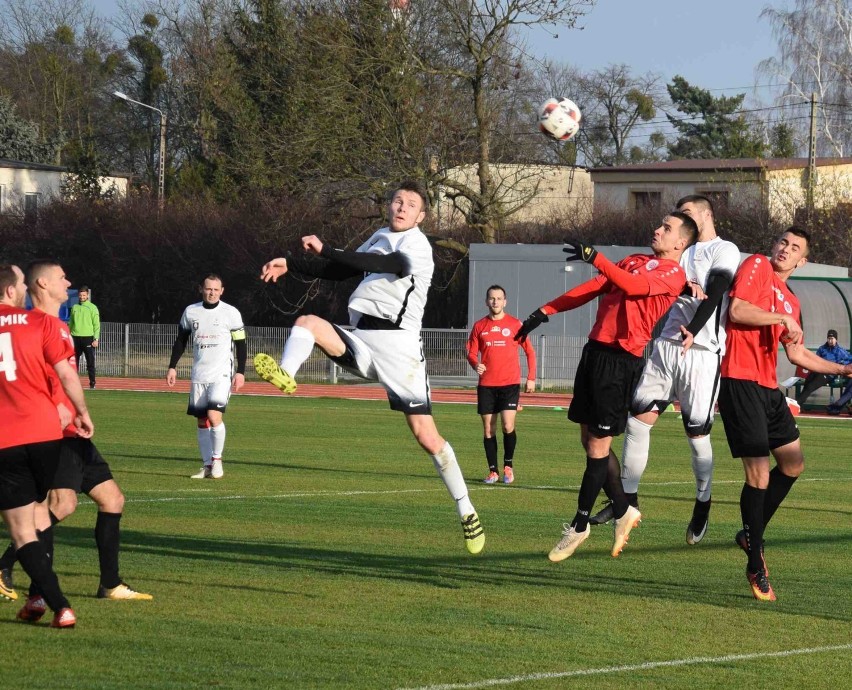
[(845, 398), (832, 352)]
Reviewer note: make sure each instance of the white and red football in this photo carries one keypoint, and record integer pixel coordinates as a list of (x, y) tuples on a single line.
[(559, 118)]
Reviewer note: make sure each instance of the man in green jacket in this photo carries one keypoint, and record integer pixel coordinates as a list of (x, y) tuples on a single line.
[(85, 327)]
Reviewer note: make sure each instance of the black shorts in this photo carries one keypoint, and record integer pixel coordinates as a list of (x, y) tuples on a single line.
[(493, 399), (81, 466), (26, 473), (756, 419), (603, 387)]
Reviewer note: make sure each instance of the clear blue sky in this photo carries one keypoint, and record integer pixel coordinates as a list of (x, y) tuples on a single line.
[(714, 45)]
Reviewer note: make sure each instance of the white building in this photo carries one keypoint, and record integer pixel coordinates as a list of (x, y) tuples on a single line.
[(530, 193), (25, 187), (775, 186)]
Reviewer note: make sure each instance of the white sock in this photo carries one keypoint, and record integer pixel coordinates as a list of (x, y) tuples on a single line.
[(217, 434), (449, 470), (297, 349), (702, 466), (205, 445), (634, 456)]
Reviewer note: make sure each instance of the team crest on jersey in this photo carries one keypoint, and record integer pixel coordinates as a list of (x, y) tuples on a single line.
[(195, 325), (788, 307), (651, 265), (505, 332)]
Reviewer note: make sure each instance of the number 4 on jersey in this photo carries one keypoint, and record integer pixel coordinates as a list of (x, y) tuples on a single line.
[(7, 357)]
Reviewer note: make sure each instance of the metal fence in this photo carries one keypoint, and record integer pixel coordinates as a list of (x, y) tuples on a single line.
[(143, 350)]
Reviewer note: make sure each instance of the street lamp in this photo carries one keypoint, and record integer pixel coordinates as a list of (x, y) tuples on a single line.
[(161, 198)]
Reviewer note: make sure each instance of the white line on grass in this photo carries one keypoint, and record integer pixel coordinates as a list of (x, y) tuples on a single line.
[(320, 494), (266, 497), (648, 665)]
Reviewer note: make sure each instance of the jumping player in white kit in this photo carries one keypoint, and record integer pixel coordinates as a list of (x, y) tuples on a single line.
[(684, 365), (213, 325), (386, 313)]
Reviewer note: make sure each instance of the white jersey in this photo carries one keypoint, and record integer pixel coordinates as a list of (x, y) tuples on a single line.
[(213, 330), (700, 261), (388, 296)]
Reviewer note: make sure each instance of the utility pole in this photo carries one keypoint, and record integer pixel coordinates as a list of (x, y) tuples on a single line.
[(161, 174), (161, 189), (809, 198)]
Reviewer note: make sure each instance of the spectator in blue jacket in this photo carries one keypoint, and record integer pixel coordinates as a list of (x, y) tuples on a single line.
[(832, 352)]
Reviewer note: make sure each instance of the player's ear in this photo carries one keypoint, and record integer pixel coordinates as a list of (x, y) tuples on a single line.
[(802, 262)]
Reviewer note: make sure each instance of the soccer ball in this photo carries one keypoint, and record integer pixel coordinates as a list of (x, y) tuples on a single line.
[(559, 118)]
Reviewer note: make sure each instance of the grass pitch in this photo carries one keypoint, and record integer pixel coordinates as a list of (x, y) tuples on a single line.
[(330, 556)]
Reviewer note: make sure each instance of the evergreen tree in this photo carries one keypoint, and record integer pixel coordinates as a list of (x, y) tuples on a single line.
[(20, 140), (710, 127)]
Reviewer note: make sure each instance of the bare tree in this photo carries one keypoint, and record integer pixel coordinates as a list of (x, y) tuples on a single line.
[(477, 46), (815, 46)]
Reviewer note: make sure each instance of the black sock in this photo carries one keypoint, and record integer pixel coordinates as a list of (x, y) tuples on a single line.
[(751, 509), (632, 499), (779, 486), (33, 560), (7, 560), (613, 487), (108, 539), (45, 537), (593, 480), (701, 509), (490, 445), (510, 440)]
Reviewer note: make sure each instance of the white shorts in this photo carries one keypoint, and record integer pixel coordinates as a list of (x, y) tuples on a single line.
[(394, 359), (691, 379), (208, 396)]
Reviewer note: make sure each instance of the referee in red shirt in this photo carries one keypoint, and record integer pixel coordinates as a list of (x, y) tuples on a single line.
[(763, 312), (493, 353), (635, 293), (30, 429)]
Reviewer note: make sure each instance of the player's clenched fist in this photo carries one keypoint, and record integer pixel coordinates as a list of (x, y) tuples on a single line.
[(273, 270), (312, 244)]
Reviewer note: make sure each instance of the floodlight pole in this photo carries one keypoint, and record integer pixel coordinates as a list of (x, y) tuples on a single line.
[(161, 174)]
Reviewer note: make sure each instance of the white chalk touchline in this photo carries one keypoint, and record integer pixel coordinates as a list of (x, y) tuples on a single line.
[(304, 494), (649, 665)]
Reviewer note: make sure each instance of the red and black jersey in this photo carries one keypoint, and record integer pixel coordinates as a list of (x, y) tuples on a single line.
[(752, 351), (30, 341), (492, 341), (636, 292)]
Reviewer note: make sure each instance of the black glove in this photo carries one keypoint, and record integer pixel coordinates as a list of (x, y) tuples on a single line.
[(532, 322), (577, 251)]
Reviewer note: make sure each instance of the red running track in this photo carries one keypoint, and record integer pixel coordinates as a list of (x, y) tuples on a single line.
[(350, 392), (307, 390)]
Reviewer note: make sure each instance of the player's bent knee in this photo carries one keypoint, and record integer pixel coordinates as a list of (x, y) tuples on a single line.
[(63, 502)]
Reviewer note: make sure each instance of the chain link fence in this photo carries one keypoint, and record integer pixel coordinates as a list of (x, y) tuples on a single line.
[(141, 350)]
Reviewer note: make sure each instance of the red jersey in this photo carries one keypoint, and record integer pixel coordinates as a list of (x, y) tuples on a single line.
[(626, 315), (29, 341), (492, 341), (752, 353)]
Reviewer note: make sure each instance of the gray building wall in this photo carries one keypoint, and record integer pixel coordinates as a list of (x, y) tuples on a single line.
[(533, 274)]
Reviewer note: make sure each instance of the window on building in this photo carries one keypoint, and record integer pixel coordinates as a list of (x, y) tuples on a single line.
[(31, 204), (647, 201)]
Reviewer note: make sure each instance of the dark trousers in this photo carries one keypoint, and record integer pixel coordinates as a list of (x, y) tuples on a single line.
[(83, 346), (812, 383), (845, 397)]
